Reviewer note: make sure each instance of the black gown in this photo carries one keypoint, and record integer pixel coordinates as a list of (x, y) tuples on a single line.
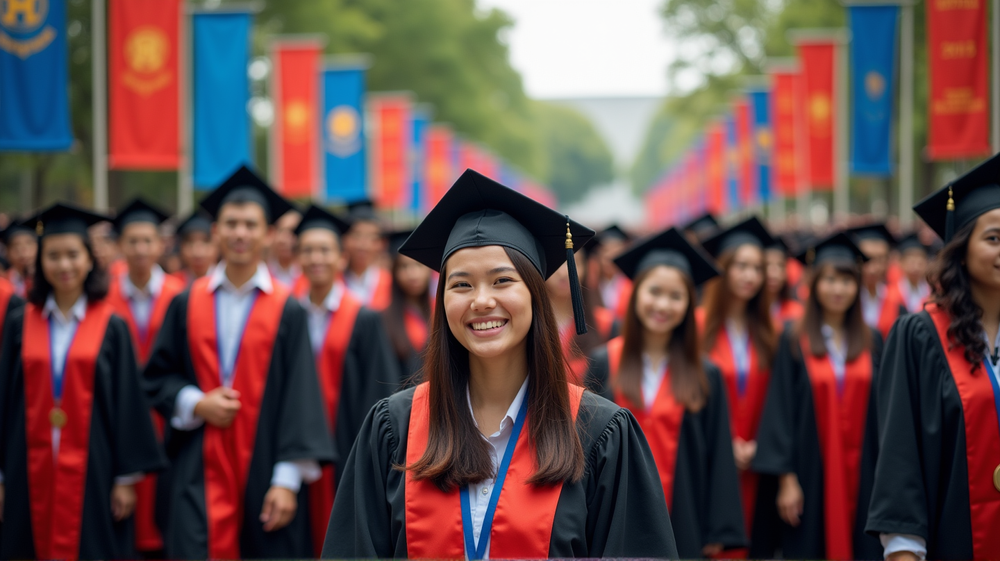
[(616, 510), (122, 442), (706, 495), (291, 426), (788, 441)]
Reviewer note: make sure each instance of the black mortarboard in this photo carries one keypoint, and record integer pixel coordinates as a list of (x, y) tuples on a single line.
[(363, 211), (197, 221), (318, 217), (138, 211), (397, 239), (13, 229), (957, 204), (668, 248), (750, 231), (779, 244), (63, 219), (703, 226), (245, 185), (478, 212), (613, 232), (912, 241), (875, 231), (838, 247)]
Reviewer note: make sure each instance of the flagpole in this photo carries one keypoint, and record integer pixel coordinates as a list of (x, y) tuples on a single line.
[(995, 33), (185, 183), (906, 114), (99, 74), (841, 178)]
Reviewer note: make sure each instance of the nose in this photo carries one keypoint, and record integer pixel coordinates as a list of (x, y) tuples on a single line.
[(483, 301)]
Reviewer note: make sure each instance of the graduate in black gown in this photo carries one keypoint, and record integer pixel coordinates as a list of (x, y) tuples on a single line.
[(408, 316), (937, 483), (818, 431), (481, 475), (195, 247), (656, 370), (233, 372), (75, 430)]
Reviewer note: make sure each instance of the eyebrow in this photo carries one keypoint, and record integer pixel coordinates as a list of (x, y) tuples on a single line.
[(494, 271)]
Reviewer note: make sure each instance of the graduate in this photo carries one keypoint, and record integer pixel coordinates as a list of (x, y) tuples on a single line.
[(780, 291), (22, 247), (197, 250), (701, 228), (818, 432), (282, 264), (75, 430), (739, 337), (408, 317), (514, 462), (656, 370), (914, 261), (937, 483), (881, 301), (614, 287), (353, 357), (233, 371), (366, 277)]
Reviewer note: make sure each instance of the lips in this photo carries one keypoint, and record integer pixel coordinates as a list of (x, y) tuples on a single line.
[(488, 324)]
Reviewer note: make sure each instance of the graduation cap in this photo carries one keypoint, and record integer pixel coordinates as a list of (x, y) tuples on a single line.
[(965, 199), (478, 212), (874, 231), (668, 248), (246, 186), (750, 231), (362, 211), (13, 229), (702, 226), (838, 247), (138, 211), (197, 221), (912, 241), (319, 217), (613, 232), (396, 240), (63, 219)]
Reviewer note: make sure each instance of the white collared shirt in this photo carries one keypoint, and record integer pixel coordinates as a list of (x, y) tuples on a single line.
[(363, 286), (480, 493), (611, 292), (19, 282), (319, 316), (652, 379), (285, 276), (739, 344), (140, 300), (871, 307), (838, 356)]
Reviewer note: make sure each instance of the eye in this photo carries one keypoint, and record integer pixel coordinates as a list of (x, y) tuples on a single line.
[(503, 280), (461, 284)]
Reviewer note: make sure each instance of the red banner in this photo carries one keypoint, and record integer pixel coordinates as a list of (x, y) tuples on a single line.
[(745, 156), (818, 71), (438, 167), (715, 168), (144, 84), (785, 170), (958, 78), (391, 139), (295, 147)]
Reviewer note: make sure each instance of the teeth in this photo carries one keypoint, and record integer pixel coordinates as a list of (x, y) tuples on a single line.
[(484, 325)]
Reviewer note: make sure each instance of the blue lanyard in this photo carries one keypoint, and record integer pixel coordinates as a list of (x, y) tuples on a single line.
[(741, 358), (58, 375), (226, 371), (995, 385), (473, 550)]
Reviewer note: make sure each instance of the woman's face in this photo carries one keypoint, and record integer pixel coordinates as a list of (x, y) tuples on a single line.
[(835, 291), (775, 270), (557, 285), (982, 258), (65, 262), (662, 300), (745, 275), (486, 302), (413, 277)]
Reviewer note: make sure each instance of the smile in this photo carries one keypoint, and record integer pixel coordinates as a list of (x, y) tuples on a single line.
[(488, 325)]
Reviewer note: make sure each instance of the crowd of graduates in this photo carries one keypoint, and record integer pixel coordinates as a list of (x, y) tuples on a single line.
[(269, 381)]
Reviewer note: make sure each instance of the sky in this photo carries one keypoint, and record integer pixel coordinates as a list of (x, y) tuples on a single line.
[(587, 48)]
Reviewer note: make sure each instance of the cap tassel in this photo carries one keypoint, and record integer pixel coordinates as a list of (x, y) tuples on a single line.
[(574, 284), (949, 220)]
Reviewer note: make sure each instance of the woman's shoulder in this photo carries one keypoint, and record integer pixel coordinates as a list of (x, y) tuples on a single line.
[(601, 423)]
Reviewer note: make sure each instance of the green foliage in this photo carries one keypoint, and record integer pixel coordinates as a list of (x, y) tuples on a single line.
[(577, 157)]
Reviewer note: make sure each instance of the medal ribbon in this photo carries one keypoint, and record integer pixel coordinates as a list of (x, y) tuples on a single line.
[(59, 368), (475, 551), (996, 387)]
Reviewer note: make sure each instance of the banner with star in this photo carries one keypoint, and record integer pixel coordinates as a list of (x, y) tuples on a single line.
[(295, 133), (873, 62), (715, 168), (818, 74), (763, 140), (390, 141), (785, 128)]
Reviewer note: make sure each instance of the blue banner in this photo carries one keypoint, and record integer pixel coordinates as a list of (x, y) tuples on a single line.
[(763, 140), (873, 61), (421, 119), (34, 94), (343, 126), (221, 90)]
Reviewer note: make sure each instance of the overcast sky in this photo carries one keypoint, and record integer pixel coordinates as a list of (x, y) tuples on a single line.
[(587, 48)]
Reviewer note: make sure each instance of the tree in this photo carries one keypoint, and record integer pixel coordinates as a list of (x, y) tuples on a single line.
[(577, 157)]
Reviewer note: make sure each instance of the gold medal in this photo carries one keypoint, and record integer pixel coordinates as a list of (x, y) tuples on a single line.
[(57, 418), (996, 479)]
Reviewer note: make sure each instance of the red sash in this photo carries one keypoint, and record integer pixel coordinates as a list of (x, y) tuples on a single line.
[(330, 367), (6, 291), (227, 452), (522, 525), (840, 420), (982, 447), (56, 485), (661, 423), (788, 310), (416, 329), (890, 309), (624, 296), (578, 364), (382, 295)]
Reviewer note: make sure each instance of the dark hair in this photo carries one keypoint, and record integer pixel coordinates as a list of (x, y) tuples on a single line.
[(240, 197), (859, 335), (688, 381), (395, 313), (456, 453), (785, 293), (951, 291), (759, 323), (95, 286)]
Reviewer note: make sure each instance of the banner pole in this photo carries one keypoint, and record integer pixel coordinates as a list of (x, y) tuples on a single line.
[(185, 184), (841, 192), (99, 72), (906, 115), (995, 34)]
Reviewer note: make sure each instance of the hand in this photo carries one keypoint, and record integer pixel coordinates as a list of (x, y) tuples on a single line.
[(744, 452), (2, 494), (790, 499), (903, 556), (122, 501), (711, 550), (279, 509), (219, 407)]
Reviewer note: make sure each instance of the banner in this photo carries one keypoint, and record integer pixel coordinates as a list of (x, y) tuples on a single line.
[(345, 166), (818, 70), (747, 166), (873, 63), (390, 144), (958, 76), (785, 126), (715, 168), (34, 94), (295, 133), (220, 92), (438, 168), (763, 141), (418, 158), (733, 177)]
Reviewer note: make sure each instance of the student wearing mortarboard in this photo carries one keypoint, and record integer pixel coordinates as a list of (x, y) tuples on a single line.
[(780, 291), (22, 248), (656, 369), (881, 301), (233, 372), (914, 262), (75, 430), (282, 263), (615, 288), (408, 316), (818, 431), (937, 483), (197, 250), (365, 245), (353, 357), (701, 228), (495, 454)]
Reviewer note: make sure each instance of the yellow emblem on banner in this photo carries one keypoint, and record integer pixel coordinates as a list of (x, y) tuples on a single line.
[(19, 20), (874, 85), (147, 51), (343, 130), (764, 138), (296, 119)]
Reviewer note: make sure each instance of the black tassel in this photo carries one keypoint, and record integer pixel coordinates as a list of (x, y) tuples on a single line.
[(574, 285), (949, 217)]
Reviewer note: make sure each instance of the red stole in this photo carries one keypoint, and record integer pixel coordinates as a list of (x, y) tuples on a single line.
[(416, 329), (840, 420), (301, 287), (382, 295), (227, 452), (624, 296), (6, 291), (890, 308), (788, 310), (522, 525), (330, 367), (56, 486), (982, 447), (661, 423)]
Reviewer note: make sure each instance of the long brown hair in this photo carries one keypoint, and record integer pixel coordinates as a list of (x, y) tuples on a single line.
[(395, 313), (688, 381), (759, 323), (456, 452), (951, 291), (859, 335)]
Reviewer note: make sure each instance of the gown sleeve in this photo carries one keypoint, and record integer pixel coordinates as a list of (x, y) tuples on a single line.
[(776, 435), (725, 513), (597, 378), (166, 370)]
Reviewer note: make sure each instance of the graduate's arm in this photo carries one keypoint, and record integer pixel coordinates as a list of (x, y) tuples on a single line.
[(725, 524), (168, 386), (598, 373)]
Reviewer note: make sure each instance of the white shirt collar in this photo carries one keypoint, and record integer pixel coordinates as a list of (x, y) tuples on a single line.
[(332, 301), (511, 416), (77, 312), (152, 289), (261, 279), (368, 278)]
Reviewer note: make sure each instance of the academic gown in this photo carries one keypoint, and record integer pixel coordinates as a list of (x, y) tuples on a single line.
[(9, 301), (101, 391), (795, 436), (209, 502), (693, 453), (417, 332), (893, 306), (938, 430), (787, 310), (616, 510)]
